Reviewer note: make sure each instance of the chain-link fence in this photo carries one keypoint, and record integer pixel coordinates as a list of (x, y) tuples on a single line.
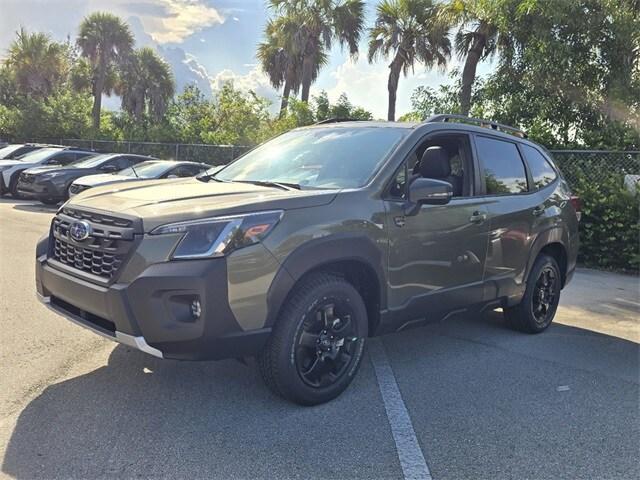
[(591, 164), (211, 154), (596, 164)]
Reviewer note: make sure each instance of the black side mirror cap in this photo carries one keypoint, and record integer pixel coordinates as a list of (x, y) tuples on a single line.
[(429, 191)]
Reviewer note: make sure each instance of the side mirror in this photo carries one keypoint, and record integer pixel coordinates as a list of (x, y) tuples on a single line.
[(429, 191)]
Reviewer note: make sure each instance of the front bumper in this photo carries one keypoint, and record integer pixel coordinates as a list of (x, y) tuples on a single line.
[(153, 312), (40, 190), (137, 342)]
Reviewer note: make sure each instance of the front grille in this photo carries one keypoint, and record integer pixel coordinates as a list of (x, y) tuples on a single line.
[(27, 177), (102, 253)]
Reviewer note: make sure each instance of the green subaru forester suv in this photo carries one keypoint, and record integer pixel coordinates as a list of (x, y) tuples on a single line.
[(304, 247)]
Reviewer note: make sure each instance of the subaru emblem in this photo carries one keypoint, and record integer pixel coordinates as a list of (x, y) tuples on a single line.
[(80, 231)]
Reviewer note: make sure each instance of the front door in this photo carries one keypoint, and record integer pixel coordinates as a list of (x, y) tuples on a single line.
[(437, 256)]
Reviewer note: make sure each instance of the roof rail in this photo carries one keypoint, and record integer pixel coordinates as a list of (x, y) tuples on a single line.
[(478, 121), (337, 120)]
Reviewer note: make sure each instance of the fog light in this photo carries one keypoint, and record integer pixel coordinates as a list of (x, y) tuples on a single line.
[(196, 309)]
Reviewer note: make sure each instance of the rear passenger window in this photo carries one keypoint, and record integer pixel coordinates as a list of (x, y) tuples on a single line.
[(504, 171), (541, 170)]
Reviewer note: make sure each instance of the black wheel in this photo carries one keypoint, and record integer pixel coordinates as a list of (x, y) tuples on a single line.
[(540, 301), (317, 343)]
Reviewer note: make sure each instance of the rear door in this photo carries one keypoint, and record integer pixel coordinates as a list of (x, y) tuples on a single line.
[(512, 210)]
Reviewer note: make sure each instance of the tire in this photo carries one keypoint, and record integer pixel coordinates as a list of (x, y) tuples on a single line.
[(317, 343), (13, 185), (538, 306), (49, 201)]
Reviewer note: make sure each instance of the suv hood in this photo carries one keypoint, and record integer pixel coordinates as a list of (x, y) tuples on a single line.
[(49, 168), (158, 202), (103, 179), (10, 163)]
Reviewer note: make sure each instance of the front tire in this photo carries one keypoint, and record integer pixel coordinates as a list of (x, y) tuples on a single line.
[(13, 186), (538, 306), (317, 344)]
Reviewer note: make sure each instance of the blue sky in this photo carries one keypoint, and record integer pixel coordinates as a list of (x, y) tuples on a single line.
[(212, 41)]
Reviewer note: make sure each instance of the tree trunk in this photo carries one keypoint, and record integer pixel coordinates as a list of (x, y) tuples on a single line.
[(469, 72), (392, 86), (285, 98), (307, 74), (98, 88)]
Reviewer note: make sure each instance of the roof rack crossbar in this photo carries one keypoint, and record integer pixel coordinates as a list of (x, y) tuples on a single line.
[(479, 121)]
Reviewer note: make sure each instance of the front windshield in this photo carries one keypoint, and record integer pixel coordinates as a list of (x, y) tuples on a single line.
[(336, 157), (146, 170), (4, 151), (92, 161), (38, 155)]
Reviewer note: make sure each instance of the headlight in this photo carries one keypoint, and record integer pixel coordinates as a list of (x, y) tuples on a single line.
[(47, 176), (218, 236)]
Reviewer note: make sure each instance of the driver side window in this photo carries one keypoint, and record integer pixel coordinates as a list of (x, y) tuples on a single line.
[(454, 167)]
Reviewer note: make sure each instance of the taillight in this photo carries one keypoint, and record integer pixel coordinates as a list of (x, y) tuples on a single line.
[(577, 206)]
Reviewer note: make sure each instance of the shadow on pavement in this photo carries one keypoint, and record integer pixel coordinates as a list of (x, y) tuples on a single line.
[(483, 399), (489, 402), (35, 207), (139, 416)]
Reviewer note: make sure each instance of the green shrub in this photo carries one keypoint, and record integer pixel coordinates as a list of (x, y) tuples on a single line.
[(610, 228)]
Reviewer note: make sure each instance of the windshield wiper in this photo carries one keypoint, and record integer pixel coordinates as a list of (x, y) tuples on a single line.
[(265, 183), (205, 177)]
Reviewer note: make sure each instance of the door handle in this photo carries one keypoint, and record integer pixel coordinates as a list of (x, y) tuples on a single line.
[(478, 217), (539, 210)]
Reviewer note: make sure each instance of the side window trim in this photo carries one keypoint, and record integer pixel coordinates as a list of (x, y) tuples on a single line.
[(483, 192)]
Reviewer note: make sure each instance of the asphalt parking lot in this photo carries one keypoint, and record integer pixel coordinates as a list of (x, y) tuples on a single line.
[(482, 401)]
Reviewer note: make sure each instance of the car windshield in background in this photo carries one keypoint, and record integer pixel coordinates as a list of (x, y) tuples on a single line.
[(92, 161), (37, 155), (338, 157), (146, 170), (4, 151)]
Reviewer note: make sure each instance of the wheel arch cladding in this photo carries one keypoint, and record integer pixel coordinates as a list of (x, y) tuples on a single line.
[(552, 242), (352, 257)]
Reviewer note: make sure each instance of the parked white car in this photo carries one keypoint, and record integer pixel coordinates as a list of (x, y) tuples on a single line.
[(10, 170), (149, 170)]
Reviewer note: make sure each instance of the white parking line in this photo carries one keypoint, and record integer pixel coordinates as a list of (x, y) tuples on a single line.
[(414, 466)]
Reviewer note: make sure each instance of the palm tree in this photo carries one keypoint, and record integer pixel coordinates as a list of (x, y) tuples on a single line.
[(281, 60), (146, 84), (479, 37), (278, 59), (409, 31), (38, 64), (318, 24), (106, 41)]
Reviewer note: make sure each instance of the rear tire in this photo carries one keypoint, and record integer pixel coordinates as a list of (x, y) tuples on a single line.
[(317, 343), (538, 306)]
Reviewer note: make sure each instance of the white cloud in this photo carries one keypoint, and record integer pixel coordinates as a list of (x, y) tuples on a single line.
[(179, 19), (254, 80), (366, 85)]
